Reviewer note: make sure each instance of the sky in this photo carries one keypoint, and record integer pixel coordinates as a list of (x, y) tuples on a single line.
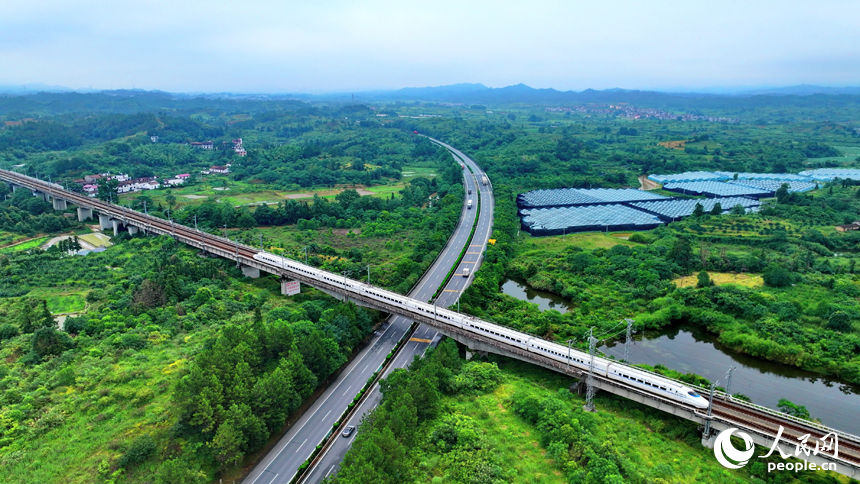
[(321, 46)]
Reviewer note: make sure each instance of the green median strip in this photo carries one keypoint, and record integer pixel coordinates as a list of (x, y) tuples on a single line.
[(389, 358)]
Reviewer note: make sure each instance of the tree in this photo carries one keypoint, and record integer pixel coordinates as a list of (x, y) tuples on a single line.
[(176, 471), (226, 444), (699, 211), (776, 276), (704, 280), (839, 321), (108, 190), (788, 407), (738, 210), (149, 295), (246, 220), (681, 254), (717, 210), (49, 341), (170, 199), (782, 193)]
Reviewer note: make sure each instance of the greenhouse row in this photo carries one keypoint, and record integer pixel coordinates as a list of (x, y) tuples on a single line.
[(590, 218), (830, 174), (689, 176), (562, 197), (714, 189), (670, 210), (765, 176), (773, 185)]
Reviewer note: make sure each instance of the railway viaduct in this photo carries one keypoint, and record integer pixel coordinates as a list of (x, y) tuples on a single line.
[(760, 423)]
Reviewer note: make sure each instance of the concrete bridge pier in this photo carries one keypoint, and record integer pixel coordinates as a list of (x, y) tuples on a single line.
[(251, 272), (38, 194), (470, 353), (116, 225), (105, 222), (133, 229), (84, 214), (13, 187), (60, 204)]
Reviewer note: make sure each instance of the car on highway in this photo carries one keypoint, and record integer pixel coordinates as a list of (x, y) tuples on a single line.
[(348, 431)]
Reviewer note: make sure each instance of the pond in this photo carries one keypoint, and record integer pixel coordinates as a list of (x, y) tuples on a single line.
[(545, 300)]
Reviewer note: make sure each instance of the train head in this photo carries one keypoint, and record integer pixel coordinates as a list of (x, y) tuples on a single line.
[(693, 398)]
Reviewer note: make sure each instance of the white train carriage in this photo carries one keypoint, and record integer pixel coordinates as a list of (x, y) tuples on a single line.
[(622, 373)]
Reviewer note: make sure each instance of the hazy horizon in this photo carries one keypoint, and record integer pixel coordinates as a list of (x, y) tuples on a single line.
[(262, 46)]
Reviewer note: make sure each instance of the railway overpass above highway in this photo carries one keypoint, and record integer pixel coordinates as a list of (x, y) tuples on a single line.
[(760, 423)]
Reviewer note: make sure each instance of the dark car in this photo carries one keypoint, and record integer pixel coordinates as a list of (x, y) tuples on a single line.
[(348, 431)]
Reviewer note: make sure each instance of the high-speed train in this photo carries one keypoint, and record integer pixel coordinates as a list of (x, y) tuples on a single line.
[(606, 368)]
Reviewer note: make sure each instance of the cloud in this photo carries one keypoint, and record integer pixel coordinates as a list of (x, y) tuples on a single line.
[(338, 45)]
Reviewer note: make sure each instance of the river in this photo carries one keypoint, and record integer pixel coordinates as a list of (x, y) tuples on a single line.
[(689, 349)]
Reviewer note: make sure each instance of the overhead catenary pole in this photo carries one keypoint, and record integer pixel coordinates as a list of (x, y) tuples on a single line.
[(628, 339), (569, 342), (590, 390), (710, 409), (729, 382)]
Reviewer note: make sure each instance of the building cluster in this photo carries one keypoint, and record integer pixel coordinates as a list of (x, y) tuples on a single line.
[(632, 112), (219, 170), (210, 145), (126, 184)]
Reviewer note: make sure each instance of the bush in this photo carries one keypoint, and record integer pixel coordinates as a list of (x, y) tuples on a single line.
[(139, 450), (7, 331), (776, 276)]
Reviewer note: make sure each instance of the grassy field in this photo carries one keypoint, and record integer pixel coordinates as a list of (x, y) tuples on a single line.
[(30, 244), (721, 278), (641, 435), (585, 240), (242, 193), (96, 239), (60, 302)]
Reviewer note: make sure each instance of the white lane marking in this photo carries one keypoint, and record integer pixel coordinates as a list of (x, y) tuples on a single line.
[(329, 471), (300, 447), (347, 389), (326, 415), (273, 479)]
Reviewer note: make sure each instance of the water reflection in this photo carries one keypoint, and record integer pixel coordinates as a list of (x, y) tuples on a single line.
[(544, 300), (689, 349)]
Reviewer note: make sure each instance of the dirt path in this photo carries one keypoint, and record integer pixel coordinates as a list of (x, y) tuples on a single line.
[(646, 184)]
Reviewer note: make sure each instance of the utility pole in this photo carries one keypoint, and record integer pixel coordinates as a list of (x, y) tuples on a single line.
[(710, 408), (569, 342), (195, 223), (628, 339), (729, 382), (590, 391), (261, 242), (225, 232), (305, 248), (368, 274)]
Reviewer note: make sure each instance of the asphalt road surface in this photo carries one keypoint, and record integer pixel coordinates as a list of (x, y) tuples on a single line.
[(424, 335), (282, 462)]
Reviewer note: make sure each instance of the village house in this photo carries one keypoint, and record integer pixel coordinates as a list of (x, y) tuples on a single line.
[(219, 169), (849, 227), (203, 145)]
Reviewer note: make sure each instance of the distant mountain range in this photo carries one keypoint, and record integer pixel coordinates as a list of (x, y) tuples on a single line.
[(469, 92)]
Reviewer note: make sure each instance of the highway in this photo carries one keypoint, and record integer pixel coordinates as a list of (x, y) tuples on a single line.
[(282, 462), (331, 458)]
